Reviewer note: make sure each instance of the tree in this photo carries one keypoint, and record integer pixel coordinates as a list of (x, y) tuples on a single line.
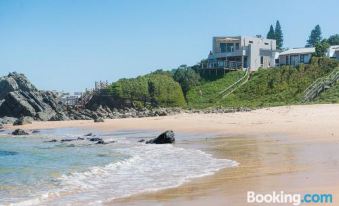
[(279, 35), (315, 37), (321, 48), (187, 78), (333, 39), (271, 33)]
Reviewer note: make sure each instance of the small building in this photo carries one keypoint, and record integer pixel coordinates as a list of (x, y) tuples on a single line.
[(333, 52), (296, 56), (239, 52)]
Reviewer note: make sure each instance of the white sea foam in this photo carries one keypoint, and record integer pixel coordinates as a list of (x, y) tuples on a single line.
[(148, 168)]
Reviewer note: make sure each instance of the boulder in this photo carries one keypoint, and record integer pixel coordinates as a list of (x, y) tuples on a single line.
[(20, 98), (19, 132), (1, 126), (53, 140), (165, 138), (59, 116), (23, 121), (99, 119), (8, 120), (88, 134), (95, 139), (35, 131)]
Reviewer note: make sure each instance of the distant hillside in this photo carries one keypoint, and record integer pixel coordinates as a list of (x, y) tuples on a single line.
[(155, 90), (266, 87), (207, 94)]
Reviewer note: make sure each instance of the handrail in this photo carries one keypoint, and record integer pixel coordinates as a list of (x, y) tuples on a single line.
[(320, 84)]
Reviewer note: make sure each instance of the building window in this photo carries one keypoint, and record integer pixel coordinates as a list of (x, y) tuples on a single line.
[(251, 42), (229, 47), (287, 61), (302, 58), (222, 47), (261, 60), (236, 46), (266, 43)]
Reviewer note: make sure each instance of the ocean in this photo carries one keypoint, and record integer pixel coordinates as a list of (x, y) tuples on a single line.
[(36, 172)]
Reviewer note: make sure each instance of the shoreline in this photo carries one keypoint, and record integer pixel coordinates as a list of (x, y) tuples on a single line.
[(289, 148)]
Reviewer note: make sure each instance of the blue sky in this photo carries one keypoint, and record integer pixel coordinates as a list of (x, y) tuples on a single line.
[(69, 44)]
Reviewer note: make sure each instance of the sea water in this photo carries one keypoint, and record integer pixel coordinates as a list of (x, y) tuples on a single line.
[(36, 172)]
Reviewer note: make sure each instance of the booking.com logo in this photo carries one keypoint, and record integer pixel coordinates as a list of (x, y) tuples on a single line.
[(283, 198)]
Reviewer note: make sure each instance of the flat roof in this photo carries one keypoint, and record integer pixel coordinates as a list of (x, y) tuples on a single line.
[(305, 50)]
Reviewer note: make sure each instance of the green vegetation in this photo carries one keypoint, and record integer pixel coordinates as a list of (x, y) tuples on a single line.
[(266, 87), (155, 89), (329, 96), (187, 78), (276, 34), (207, 94), (315, 37), (321, 48), (270, 34), (333, 39)]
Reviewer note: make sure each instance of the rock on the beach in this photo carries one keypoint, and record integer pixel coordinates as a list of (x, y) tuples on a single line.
[(88, 135), (23, 121), (164, 138), (95, 139), (20, 97), (99, 119), (19, 132)]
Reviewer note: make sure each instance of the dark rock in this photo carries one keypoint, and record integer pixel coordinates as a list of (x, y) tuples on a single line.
[(23, 121), (21, 98), (99, 120), (142, 140), (19, 132), (88, 135), (101, 142), (8, 120), (80, 138), (53, 140), (1, 126), (67, 140), (35, 131), (95, 139), (164, 138), (59, 117)]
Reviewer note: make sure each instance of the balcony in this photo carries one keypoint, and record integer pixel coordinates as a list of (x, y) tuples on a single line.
[(240, 52), (226, 65)]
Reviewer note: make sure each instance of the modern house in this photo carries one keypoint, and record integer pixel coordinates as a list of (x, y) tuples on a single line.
[(296, 56), (333, 52), (240, 52)]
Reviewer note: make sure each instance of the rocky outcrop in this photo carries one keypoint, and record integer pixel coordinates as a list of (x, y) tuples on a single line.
[(23, 121), (21, 98), (164, 138), (19, 132), (1, 126), (99, 119)]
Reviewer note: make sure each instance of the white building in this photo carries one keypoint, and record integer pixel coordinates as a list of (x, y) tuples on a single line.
[(296, 56), (238, 52), (333, 52)]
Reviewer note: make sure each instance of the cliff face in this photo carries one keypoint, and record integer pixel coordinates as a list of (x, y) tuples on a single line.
[(19, 97)]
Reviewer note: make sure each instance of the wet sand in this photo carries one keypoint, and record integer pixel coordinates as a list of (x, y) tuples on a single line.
[(294, 149)]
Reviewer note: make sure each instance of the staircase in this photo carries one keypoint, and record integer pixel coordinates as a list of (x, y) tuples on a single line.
[(84, 99), (321, 85), (230, 89)]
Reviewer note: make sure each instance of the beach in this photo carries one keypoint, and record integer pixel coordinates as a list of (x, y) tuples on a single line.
[(294, 149)]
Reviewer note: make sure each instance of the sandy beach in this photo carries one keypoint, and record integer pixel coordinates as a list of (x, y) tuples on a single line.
[(294, 149)]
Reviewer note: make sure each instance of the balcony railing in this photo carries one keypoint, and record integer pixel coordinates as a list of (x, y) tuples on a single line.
[(228, 65)]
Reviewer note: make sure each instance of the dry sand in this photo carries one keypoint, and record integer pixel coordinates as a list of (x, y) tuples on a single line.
[(290, 148)]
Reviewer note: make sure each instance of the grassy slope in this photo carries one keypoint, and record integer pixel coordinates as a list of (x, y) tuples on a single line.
[(205, 95), (266, 87), (329, 96)]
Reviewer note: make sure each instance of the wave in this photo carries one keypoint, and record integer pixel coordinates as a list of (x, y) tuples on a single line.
[(147, 168)]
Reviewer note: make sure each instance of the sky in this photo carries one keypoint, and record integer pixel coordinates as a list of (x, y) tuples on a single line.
[(69, 44)]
